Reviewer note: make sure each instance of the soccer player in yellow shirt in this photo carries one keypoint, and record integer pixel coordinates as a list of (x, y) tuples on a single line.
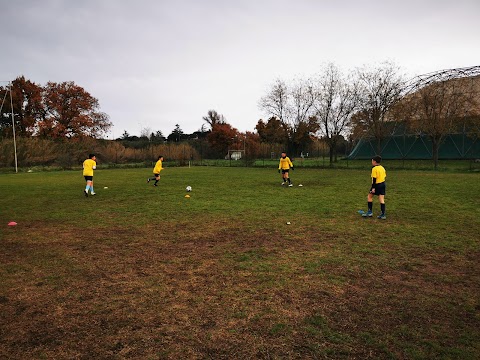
[(88, 166), (378, 188), (284, 166), (156, 171)]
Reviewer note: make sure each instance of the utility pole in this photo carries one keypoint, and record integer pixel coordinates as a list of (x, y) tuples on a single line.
[(9, 89), (13, 127)]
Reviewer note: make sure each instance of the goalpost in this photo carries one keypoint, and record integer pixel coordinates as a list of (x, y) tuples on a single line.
[(235, 155), (8, 89)]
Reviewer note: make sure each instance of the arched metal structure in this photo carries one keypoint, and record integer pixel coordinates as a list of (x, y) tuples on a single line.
[(420, 81), (402, 144)]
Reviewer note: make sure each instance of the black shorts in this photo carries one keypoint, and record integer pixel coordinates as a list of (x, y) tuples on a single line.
[(380, 189), (284, 171), (88, 178), (156, 175)]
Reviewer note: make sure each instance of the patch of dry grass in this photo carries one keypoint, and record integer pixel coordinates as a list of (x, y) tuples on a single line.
[(225, 292)]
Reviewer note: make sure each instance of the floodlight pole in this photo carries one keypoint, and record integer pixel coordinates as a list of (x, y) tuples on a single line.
[(13, 127)]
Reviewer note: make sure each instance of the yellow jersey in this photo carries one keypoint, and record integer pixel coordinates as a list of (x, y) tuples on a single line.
[(379, 173), (158, 167), (88, 166), (285, 164)]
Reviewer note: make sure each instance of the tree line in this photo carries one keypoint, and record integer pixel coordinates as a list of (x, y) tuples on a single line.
[(55, 110), (331, 107), (364, 103)]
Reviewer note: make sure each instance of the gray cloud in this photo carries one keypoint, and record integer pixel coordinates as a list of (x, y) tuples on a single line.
[(157, 63)]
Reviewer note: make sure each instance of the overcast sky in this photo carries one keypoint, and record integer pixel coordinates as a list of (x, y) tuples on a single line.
[(155, 63)]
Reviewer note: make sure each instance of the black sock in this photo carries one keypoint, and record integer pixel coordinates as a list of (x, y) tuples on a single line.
[(156, 181), (370, 206), (382, 207), (289, 181)]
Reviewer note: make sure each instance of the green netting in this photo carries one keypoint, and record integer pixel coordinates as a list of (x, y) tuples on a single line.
[(455, 146)]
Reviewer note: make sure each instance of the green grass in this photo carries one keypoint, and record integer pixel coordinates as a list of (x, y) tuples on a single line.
[(143, 272), (465, 165)]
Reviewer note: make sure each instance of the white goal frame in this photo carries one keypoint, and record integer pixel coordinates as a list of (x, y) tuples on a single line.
[(236, 154)]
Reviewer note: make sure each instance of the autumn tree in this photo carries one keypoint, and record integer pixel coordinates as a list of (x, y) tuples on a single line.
[(221, 138), (379, 89), (70, 111), (5, 111), (27, 106), (273, 131), (335, 106), (251, 145)]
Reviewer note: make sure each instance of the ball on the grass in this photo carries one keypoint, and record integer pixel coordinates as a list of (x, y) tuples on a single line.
[(188, 188)]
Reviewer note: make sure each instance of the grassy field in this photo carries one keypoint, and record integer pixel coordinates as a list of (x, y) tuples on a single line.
[(143, 272), (468, 166)]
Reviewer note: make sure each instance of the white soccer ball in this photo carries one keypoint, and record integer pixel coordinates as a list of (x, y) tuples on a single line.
[(188, 188)]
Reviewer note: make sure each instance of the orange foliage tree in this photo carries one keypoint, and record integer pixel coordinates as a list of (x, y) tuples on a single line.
[(27, 107), (221, 137), (273, 131), (70, 111), (252, 145)]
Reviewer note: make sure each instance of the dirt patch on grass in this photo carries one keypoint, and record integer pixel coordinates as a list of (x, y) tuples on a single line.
[(228, 291)]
